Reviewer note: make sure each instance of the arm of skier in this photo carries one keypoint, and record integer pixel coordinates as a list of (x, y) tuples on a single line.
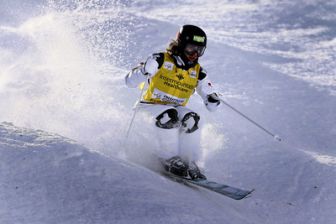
[(144, 71), (207, 92)]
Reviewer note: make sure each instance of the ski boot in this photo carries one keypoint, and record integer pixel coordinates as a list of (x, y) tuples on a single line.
[(176, 166), (194, 172)]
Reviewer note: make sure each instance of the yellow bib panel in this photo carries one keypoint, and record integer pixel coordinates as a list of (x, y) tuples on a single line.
[(172, 85)]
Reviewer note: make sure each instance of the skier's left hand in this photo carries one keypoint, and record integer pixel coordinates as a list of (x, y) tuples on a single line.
[(212, 101), (213, 98)]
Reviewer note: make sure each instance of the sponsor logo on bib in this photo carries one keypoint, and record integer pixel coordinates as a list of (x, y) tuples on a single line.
[(168, 66), (193, 74)]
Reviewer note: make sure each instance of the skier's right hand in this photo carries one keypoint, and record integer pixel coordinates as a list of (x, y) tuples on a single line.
[(144, 71)]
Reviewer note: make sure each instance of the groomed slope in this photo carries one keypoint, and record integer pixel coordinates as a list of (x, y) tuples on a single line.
[(46, 178)]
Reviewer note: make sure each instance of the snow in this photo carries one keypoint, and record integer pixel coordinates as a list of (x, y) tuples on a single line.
[(62, 68), (46, 178)]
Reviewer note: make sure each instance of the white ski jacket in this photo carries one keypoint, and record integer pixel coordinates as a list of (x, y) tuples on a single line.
[(149, 69)]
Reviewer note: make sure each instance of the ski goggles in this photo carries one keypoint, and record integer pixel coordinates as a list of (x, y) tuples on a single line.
[(191, 49)]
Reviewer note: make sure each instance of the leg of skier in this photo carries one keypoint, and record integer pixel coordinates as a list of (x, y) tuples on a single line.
[(178, 145), (165, 121), (168, 121), (190, 140)]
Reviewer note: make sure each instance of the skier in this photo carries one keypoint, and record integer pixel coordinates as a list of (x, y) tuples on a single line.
[(172, 77)]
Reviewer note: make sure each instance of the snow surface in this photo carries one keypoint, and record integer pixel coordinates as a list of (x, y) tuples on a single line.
[(62, 65)]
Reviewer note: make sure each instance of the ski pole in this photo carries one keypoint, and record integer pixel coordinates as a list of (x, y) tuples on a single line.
[(143, 87), (276, 137)]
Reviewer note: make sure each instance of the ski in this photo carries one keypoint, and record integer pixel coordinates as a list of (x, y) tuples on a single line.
[(229, 191)]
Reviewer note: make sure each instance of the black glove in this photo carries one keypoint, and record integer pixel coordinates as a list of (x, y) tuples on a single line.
[(213, 98)]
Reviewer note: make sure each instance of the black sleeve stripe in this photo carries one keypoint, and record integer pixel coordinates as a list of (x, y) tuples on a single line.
[(159, 57), (202, 74)]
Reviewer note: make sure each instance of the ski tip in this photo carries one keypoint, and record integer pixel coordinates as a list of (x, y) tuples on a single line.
[(249, 194)]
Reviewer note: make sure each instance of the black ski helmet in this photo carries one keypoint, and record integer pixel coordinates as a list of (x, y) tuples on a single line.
[(190, 34)]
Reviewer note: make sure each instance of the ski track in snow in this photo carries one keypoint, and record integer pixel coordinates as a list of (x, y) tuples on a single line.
[(62, 65)]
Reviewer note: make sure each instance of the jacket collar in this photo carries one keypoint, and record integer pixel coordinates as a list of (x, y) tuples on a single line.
[(182, 64), (179, 61)]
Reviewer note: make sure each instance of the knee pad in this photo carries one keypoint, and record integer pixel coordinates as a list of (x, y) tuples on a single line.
[(168, 119), (190, 122)]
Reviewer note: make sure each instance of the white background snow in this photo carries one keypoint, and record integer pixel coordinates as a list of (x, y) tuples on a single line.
[(64, 111)]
